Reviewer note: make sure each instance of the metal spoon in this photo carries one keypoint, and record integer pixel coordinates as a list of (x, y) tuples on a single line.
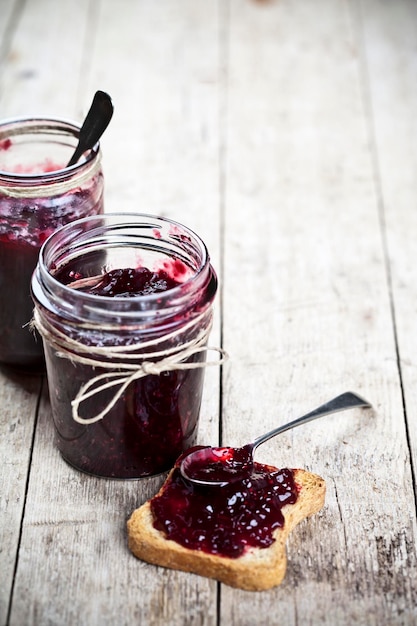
[(94, 125), (221, 466)]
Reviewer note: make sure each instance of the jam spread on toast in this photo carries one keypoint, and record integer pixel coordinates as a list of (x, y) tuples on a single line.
[(225, 520)]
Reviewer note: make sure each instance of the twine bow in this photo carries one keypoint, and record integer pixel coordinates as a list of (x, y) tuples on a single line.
[(158, 361)]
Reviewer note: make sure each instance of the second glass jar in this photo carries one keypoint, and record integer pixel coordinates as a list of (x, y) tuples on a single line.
[(38, 194)]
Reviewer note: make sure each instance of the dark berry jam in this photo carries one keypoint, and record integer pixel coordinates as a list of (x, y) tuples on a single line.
[(142, 435), (19, 347), (128, 283), (228, 520), (156, 417), (25, 224), (218, 465)]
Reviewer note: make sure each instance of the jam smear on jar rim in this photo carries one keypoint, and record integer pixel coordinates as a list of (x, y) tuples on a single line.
[(227, 520)]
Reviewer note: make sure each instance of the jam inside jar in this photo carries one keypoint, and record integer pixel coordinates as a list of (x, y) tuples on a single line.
[(124, 305), (38, 194)]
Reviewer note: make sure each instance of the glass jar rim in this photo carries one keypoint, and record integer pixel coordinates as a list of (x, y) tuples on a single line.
[(19, 125), (135, 308)]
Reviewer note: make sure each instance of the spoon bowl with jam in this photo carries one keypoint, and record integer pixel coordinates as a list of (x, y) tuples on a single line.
[(212, 466)]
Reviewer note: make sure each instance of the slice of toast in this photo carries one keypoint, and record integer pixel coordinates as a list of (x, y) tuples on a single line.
[(257, 569)]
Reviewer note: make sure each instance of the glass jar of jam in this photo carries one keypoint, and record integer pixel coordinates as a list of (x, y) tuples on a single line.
[(124, 303), (38, 194)]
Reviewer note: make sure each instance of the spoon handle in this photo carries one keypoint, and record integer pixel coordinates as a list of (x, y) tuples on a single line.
[(94, 125), (345, 401)]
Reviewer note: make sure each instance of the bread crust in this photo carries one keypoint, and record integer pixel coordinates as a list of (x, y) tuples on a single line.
[(256, 570)]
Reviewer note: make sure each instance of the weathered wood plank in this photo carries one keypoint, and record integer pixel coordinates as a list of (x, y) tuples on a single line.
[(160, 155), (316, 136), (43, 71), (74, 531), (390, 47), (18, 402), (10, 11), (161, 149), (31, 83), (305, 274)]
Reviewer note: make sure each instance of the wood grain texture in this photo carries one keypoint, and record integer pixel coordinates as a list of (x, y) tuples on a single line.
[(46, 58), (18, 402), (31, 83), (74, 527), (284, 133), (10, 10), (393, 57), (165, 106), (305, 239)]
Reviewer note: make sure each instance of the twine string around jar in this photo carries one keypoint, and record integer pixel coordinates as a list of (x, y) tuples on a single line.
[(156, 362)]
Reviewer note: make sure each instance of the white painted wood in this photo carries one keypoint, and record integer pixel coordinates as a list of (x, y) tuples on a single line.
[(283, 132), (45, 64), (305, 275), (10, 10), (74, 531), (31, 83), (18, 402), (392, 68), (81, 528)]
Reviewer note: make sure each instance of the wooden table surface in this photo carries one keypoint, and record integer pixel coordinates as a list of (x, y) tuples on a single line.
[(285, 133)]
